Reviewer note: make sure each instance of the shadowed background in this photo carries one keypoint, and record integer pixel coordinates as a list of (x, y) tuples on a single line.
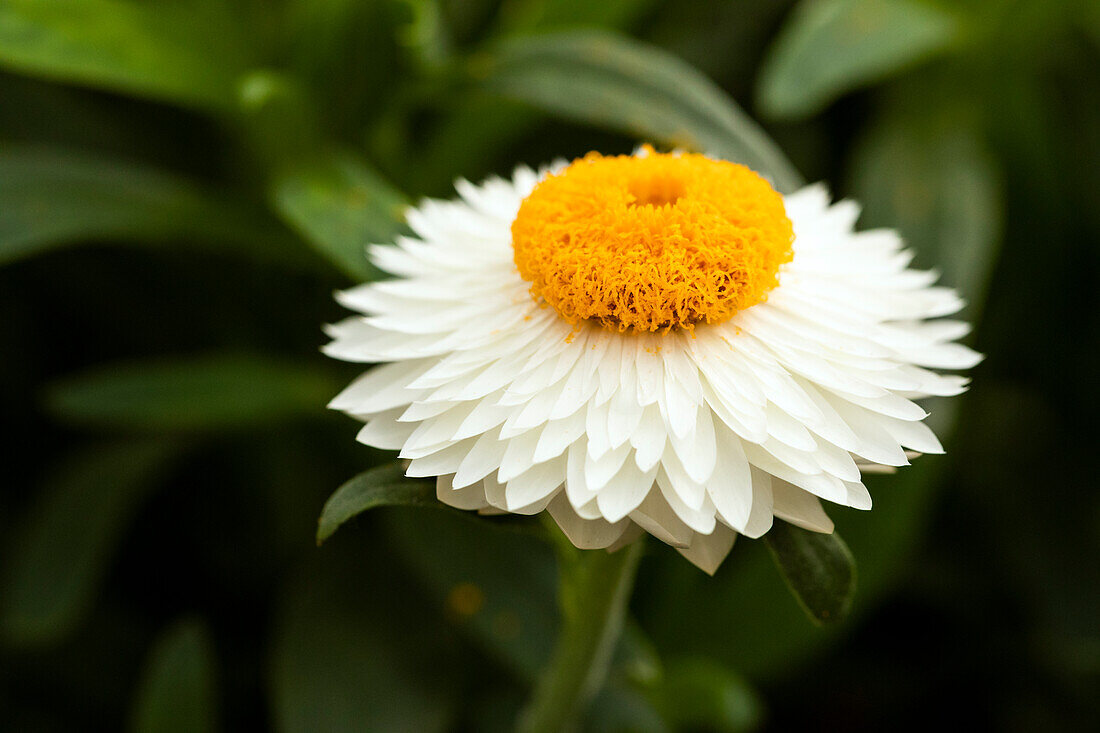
[(183, 183)]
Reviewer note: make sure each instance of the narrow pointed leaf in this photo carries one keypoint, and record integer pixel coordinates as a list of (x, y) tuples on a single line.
[(818, 568), (534, 15), (830, 47), (934, 182), (606, 80), (57, 560), (508, 608), (354, 648), (382, 486), (198, 393), (696, 693), (339, 205), (52, 197), (183, 52), (176, 693)]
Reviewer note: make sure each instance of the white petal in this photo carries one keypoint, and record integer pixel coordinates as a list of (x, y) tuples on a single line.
[(384, 431), (586, 534), (707, 551), (915, 435), (576, 486), (519, 455), (690, 491), (534, 484), (625, 491), (858, 496), (875, 444), (599, 471), (557, 435), (649, 439), (382, 388), (655, 516), (446, 460), (700, 519), (470, 497), (696, 450), (623, 416), (760, 518), (483, 458), (730, 486), (799, 507)]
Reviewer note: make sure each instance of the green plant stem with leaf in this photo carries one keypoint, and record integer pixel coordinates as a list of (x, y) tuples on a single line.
[(595, 589)]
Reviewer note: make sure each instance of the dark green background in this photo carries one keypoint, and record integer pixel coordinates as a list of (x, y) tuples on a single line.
[(184, 183)]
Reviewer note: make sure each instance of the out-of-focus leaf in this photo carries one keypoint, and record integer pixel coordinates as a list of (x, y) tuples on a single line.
[(499, 586), (476, 134), (339, 205), (691, 613), (607, 80), (819, 568), (529, 15), (933, 181), (180, 51), (471, 139), (1087, 14), (353, 651), (700, 694), (51, 197), (345, 53), (177, 689), (381, 486), (830, 47), (195, 393), (424, 35), (636, 658), (620, 708), (58, 559)]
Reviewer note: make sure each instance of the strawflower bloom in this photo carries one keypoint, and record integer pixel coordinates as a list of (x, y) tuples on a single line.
[(655, 342)]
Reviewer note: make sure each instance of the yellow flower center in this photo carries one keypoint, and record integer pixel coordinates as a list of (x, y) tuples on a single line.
[(651, 242)]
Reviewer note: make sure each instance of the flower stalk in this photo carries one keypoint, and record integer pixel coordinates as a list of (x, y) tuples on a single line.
[(595, 588)]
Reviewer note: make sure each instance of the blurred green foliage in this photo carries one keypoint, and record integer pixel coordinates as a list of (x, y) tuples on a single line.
[(184, 182)]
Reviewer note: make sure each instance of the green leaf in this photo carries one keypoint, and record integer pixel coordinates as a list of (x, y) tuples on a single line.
[(381, 486), (499, 586), (830, 47), (195, 393), (603, 79), (474, 138), (932, 180), (425, 35), (818, 568), (60, 555), (339, 206), (51, 197), (353, 650), (529, 15), (176, 693), (621, 708), (1087, 16), (701, 694), (184, 52)]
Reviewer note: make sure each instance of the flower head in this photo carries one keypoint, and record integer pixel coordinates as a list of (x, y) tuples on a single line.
[(656, 342)]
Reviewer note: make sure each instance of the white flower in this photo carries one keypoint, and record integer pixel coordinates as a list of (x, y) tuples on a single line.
[(695, 424)]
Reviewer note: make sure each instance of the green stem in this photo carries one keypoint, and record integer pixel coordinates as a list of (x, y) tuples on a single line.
[(595, 591)]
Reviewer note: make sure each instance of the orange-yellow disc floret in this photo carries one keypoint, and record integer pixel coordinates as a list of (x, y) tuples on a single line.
[(653, 241)]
